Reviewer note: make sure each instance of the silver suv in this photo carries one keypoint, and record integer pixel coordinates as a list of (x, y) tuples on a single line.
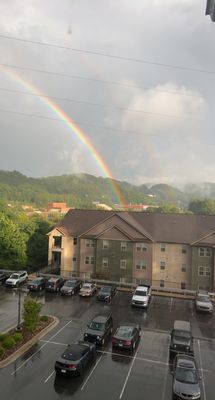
[(17, 278), (203, 303)]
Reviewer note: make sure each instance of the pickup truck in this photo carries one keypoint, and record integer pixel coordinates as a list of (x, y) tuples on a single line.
[(141, 296)]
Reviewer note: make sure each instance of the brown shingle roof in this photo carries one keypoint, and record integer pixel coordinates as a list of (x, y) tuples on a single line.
[(169, 228)]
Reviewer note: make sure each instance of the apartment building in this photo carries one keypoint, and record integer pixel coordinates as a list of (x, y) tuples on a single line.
[(165, 250)]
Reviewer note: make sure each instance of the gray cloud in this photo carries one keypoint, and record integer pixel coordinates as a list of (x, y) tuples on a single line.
[(136, 146)]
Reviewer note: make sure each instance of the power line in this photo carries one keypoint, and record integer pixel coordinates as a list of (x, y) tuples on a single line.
[(117, 83), (88, 103), (79, 123), (102, 54)]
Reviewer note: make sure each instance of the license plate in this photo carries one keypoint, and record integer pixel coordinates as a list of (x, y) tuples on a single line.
[(63, 371), (120, 344)]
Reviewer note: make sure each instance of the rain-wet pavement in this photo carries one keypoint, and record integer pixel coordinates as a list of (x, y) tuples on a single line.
[(145, 373)]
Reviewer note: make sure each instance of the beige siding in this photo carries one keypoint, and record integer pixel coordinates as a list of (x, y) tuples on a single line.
[(174, 259)]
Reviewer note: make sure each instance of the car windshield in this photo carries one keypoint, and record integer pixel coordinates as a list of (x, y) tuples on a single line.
[(86, 287), (124, 332), (105, 289), (186, 375), (181, 335), (203, 299), (14, 276), (36, 281), (70, 283), (140, 293), (97, 326)]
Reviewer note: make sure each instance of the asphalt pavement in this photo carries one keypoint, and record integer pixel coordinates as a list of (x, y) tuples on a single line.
[(142, 374)]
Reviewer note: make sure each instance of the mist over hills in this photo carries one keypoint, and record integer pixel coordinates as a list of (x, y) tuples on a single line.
[(81, 190)]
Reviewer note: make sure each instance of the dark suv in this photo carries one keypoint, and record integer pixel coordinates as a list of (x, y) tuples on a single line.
[(181, 339), (99, 329), (54, 284)]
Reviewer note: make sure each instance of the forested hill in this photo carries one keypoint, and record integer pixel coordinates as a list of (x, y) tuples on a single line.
[(81, 190)]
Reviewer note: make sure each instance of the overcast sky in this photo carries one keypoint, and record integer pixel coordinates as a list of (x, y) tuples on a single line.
[(151, 118)]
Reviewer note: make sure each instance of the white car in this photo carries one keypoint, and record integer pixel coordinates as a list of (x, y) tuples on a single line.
[(141, 296), (87, 290), (17, 278), (203, 303)]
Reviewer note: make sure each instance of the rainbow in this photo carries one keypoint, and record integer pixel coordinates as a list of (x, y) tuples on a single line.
[(73, 127)]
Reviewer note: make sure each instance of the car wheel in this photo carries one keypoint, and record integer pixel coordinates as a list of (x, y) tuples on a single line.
[(133, 345)]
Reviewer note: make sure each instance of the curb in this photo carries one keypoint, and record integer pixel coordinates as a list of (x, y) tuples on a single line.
[(29, 344)]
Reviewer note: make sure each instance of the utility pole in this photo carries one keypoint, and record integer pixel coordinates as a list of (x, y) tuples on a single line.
[(210, 9)]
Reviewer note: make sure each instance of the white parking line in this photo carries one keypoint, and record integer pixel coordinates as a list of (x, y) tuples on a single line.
[(201, 369), (45, 344), (91, 372), (166, 373), (49, 376), (129, 372), (50, 342)]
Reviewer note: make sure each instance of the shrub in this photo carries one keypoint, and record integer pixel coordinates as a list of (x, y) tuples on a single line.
[(2, 352), (31, 313), (8, 342), (2, 336), (44, 318), (17, 337)]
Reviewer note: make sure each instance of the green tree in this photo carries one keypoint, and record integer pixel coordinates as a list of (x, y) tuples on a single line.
[(12, 244), (31, 313), (37, 245), (205, 206), (169, 208)]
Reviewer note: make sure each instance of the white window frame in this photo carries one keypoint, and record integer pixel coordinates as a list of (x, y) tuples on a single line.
[(105, 262), (184, 249), (163, 247), (90, 242), (123, 246), (105, 244), (206, 252), (141, 265), (123, 264), (183, 268), (89, 260), (162, 265), (204, 270), (162, 283)]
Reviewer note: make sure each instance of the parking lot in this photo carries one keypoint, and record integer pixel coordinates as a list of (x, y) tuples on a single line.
[(144, 373)]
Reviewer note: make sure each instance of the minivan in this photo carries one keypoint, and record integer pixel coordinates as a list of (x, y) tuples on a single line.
[(181, 339)]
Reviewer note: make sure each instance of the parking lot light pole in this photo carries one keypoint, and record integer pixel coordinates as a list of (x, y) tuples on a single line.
[(20, 290)]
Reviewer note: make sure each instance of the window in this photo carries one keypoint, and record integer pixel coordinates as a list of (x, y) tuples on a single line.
[(161, 283), (183, 285), (183, 268), (162, 265), (184, 249), (73, 258), (141, 247), (57, 241), (90, 243), (105, 262), (89, 260), (105, 244), (75, 240), (123, 246), (204, 251), (141, 265), (163, 247), (204, 271), (123, 264)]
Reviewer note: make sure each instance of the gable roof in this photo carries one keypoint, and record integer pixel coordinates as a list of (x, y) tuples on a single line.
[(166, 228)]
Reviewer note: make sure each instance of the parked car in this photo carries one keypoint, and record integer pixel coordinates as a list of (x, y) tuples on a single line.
[(4, 276), (126, 336), (203, 303), (87, 290), (106, 293), (37, 284), (181, 338), (54, 284), (17, 278), (76, 358), (185, 379), (71, 287), (99, 329), (141, 296)]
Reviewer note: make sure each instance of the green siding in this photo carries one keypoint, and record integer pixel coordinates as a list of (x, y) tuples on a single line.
[(114, 254), (200, 282)]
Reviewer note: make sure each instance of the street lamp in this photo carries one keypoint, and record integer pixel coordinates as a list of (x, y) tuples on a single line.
[(19, 290), (210, 9)]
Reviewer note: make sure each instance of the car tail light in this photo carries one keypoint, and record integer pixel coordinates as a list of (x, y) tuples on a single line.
[(128, 342), (72, 367)]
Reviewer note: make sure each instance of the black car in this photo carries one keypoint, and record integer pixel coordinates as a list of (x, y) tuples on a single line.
[(37, 284), (185, 379), (76, 358), (54, 284), (126, 336), (99, 329), (71, 287), (3, 276), (106, 293)]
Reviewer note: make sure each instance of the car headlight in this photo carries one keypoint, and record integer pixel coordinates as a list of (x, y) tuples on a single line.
[(174, 346), (187, 348), (85, 335), (98, 337)]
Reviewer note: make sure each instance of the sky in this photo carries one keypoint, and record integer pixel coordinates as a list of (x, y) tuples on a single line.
[(138, 78)]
